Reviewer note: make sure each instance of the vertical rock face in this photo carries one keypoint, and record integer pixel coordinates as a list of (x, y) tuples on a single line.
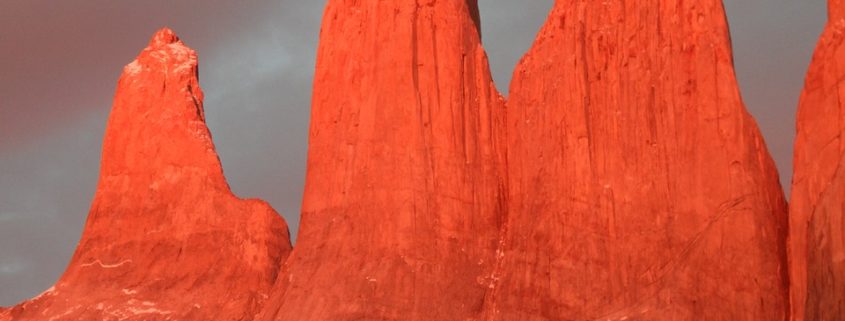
[(404, 193), (836, 10), (165, 238), (640, 189), (817, 224)]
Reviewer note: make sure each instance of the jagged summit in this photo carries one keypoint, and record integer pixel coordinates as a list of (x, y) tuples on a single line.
[(165, 238), (163, 36), (165, 54)]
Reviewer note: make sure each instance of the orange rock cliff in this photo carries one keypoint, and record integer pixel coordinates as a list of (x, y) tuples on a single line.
[(165, 238), (640, 188), (817, 224), (405, 189), (623, 180)]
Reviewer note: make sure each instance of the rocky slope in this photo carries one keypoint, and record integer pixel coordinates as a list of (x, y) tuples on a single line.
[(405, 187), (640, 189), (817, 224), (165, 238)]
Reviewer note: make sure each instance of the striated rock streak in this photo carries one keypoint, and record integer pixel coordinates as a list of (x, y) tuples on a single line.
[(817, 225), (165, 239), (640, 188), (405, 186)]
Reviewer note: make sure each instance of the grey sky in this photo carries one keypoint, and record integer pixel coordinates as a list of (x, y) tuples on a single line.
[(60, 61)]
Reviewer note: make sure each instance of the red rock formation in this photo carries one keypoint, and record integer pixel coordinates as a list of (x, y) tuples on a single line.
[(165, 239), (836, 9), (640, 188), (405, 185), (817, 224)]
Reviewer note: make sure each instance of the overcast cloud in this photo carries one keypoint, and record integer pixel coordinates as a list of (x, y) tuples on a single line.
[(60, 60)]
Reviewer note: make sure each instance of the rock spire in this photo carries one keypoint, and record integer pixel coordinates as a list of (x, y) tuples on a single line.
[(165, 238)]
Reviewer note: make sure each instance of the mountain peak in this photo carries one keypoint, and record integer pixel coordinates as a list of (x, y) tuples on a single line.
[(165, 238), (163, 36), (165, 53)]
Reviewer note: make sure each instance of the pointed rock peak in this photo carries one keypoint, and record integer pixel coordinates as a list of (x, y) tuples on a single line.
[(164, 36), (165, 238), (166, 53)]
